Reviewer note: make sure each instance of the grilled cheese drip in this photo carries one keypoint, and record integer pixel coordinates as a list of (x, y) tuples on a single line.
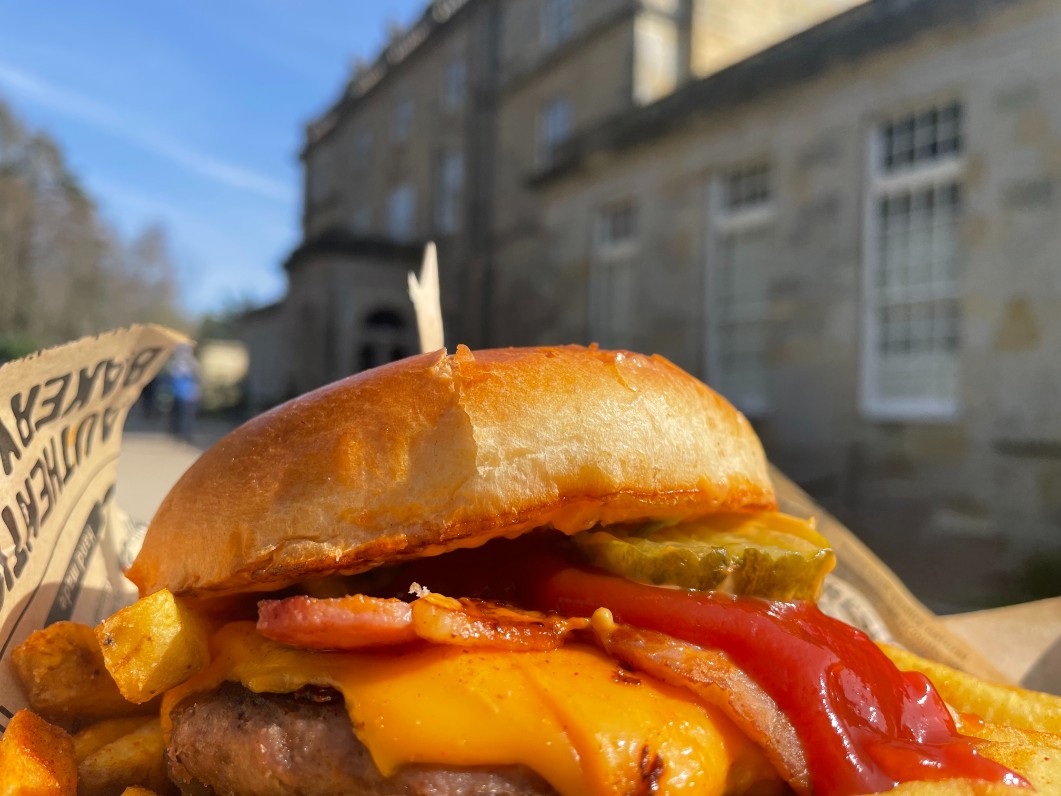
[(570, 714)]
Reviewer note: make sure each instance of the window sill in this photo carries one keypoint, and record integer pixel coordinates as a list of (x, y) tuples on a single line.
[(913, 412)]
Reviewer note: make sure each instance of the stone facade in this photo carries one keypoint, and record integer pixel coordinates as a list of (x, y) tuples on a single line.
[(346, 310), (405, 152), (403, 156), (616, 56), (843, 214), (987, 465), (264, 335), (440, 136)]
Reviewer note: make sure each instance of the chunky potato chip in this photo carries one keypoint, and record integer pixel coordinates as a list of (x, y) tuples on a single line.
[(998, 704), (153, 644), (137, 758), (36, 758), (1036, 755), (951, 787), (94, 738), (61, 668)]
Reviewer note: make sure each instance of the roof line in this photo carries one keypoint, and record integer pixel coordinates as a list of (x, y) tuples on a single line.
[(338, 241), (436, 15), (851, 35)]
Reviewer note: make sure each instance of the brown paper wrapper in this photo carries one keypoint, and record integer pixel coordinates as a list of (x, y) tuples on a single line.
[(61, 539), (864, 592)]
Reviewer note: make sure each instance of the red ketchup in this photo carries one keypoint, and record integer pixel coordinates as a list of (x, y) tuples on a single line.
[(865, 726)]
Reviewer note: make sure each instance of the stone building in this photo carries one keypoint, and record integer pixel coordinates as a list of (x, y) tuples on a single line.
[(854, 235), (402, 156), (346, 310), (439, 138), (843, 215), (571, 66)]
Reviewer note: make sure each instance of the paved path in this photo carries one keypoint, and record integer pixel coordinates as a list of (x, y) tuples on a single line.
[(152, 460), (149, 466)]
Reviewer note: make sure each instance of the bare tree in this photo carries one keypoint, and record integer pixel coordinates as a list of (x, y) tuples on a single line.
[(64, 273)]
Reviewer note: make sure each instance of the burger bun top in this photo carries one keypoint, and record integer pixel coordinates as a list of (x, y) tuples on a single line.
[(440, 451)]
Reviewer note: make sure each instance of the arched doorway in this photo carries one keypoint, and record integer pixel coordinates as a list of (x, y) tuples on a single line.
[(383, 338)]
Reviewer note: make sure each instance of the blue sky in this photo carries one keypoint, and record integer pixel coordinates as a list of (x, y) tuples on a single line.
[(190, 113)]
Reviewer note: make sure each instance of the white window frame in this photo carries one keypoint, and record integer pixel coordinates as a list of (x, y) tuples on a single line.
[(449, 192), (320, 174), (454, 84), (401, 212), (613, 259), (723, 223), (361, 220), (403, 119), (363, 141), (557, 22), (880, 185), (605, 244), (551, 133)]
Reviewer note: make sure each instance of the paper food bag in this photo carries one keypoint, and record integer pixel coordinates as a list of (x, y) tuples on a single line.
[(61, 540)]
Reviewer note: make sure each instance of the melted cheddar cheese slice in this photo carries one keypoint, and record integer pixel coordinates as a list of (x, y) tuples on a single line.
[(570, 714)]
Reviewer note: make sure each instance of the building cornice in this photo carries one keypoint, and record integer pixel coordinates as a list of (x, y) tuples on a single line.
[(571, 46), (366, 79), (338, 241), (853, 35), (263, 311)]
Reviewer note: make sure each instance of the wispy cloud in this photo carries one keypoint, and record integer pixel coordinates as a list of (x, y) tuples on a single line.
[(127, 128), (217, 259)]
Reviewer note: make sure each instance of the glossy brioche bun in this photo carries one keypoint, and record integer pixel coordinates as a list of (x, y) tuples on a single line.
[(436, 452)]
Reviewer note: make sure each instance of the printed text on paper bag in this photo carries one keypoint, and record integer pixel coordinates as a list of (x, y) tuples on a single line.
[(62, 406)]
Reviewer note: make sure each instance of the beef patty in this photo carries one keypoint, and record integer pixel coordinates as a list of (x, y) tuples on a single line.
[(232, 742)]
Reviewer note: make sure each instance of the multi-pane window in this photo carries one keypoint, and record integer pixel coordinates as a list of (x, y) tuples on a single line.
[(448, 193), (558, 22), (613, 275), (922, 138), (747, 187), (554, 128), (912, 285), (739, 281), (361, 220), (362, 146), (320, 174), (616, 227), (453, 85), (403, 118), (401, 212)]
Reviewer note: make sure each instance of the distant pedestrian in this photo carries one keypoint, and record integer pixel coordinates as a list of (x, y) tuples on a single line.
[(186, 392)]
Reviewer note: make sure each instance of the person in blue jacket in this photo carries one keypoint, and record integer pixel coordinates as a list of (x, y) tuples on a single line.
[(186, 391)]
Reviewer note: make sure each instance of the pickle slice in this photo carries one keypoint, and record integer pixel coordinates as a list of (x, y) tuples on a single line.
[(761, 554)]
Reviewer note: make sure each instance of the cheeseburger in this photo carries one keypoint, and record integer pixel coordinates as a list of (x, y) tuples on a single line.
[(522, 571)]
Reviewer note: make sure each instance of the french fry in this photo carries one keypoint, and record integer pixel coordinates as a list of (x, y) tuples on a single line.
[(36, 758), (152, 645), (92, 739), (1036, 755), (62, 670), (950, 787), (138, 791), (136, 758), (994, 703)]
